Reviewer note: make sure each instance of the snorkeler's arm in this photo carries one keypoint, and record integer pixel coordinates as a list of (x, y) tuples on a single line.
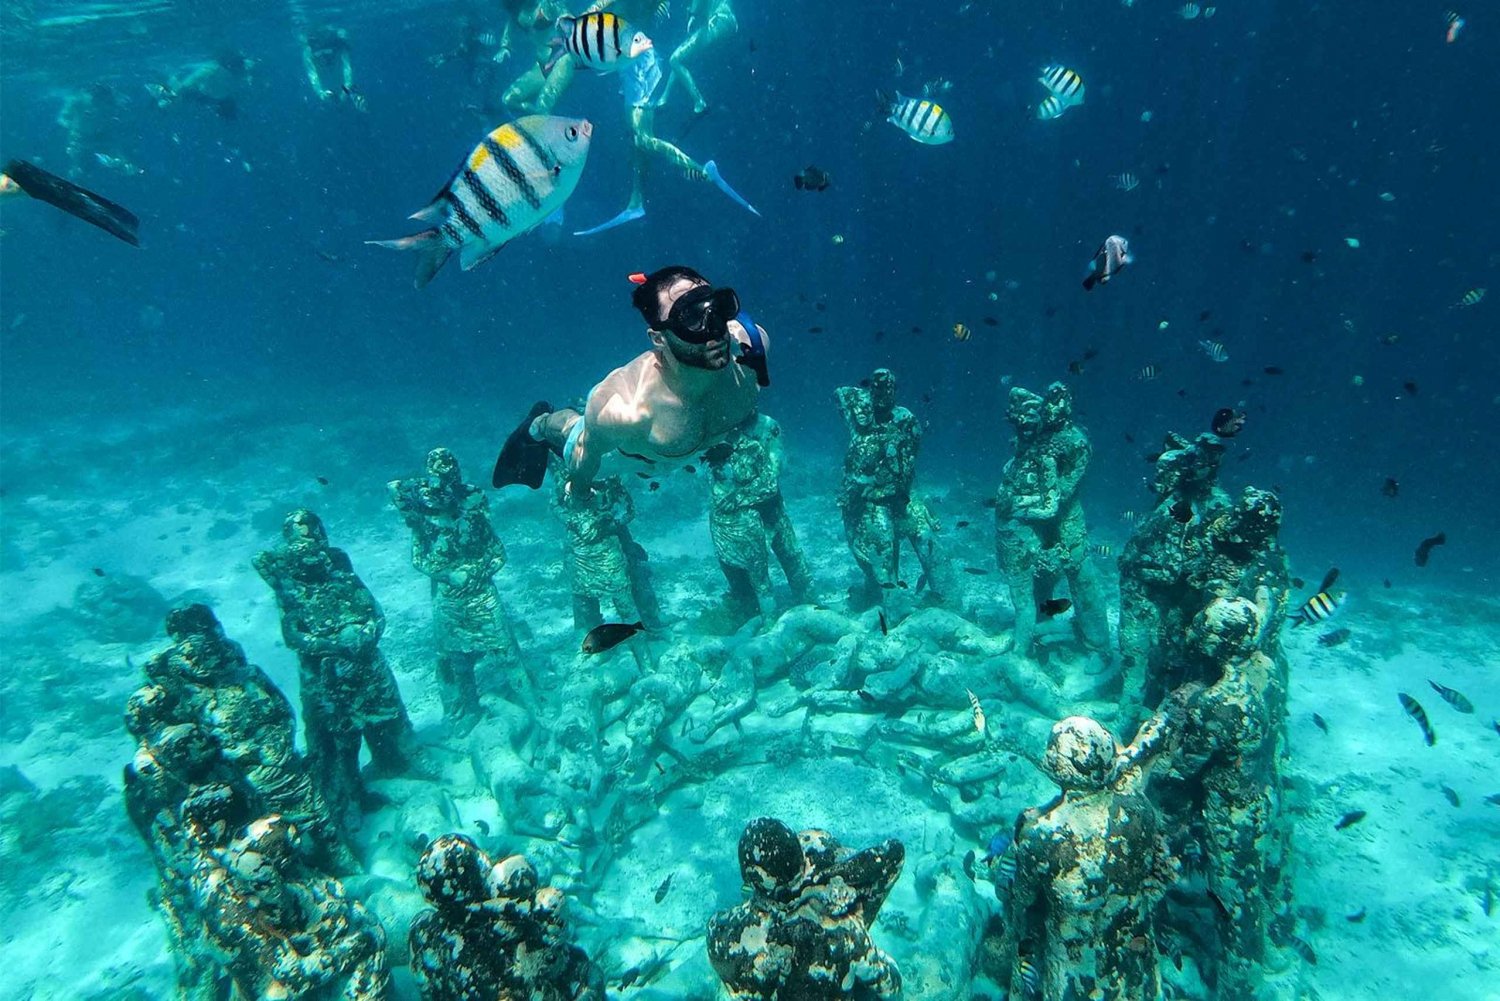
[(348, 65), (311, 68)]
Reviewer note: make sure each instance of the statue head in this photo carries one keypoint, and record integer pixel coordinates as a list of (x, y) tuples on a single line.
[(513, 877), (1080, 754), (883, 391), (1058, 409), (1024, 411), (771, 860), (201, 651), (453, 872), (304, 532), (1256, 518), (1229, 629), (442, 469), (148, 708)]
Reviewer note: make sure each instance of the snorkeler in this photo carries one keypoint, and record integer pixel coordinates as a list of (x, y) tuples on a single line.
[(640, 80), (533, 24), (216, 83), (91, 119), (708, 21), (682, 396), (21, 177), (326, 59)]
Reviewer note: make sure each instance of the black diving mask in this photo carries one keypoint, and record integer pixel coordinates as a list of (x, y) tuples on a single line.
[(701, 315)]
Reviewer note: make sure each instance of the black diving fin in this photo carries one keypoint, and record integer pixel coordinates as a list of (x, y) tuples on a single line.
[(523, 459)]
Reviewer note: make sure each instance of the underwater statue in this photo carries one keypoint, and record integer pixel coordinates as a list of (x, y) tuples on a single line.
[(747, 514), (493, 932), (1091, 867), (1040, 536), (880, 470), (805, 931), (1222, 800), (282, 929), (332, 622), (455, 545), (604, 562), (209, 680)]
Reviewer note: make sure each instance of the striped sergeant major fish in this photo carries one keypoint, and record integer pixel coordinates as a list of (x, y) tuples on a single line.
[(518, 176), (1065, 84), (599, 40), (1051, 107), (1473, 297), (923, 120), (1317, 608)]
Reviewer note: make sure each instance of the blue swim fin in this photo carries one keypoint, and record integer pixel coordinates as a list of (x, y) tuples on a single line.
[(628, 215), (712, 169)]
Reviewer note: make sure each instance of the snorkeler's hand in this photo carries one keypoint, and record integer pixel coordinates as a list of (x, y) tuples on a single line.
[(500, 56)]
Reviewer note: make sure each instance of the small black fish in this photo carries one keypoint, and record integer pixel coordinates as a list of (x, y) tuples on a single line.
[(1415, 711), (1452, 696), (1329, 579), (991, 502), (1349, 819), (1391, 488), (666, 885), (885, 627), (645, 476), (1151, 456), (1336, 638), (1129, 438), (990, 321), (1054, 606), (1320, 722), (879, 336), (1308, 256), (689, 469), (916, 329), (1204, 316), (1410, 386), (1387, 583), (1493, 799), (483, 826), (609, 635), (1219, 905), (1075, 368), (1356, 917), (1182, 512), (629, 977), (653, 486), (865, 695), (962, 524), (1301, 948), (903, 585), (969, 864), (1274, 370), (812, 179), (1298, 583), (887, 586), (98, 572), (322, 480), (821, 307), (1450, 795), (1495, 723), (1425, 549), (814, 330), (976, 571), (659, 769)]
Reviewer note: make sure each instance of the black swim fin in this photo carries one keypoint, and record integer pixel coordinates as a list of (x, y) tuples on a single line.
[(523, 459), (74, 200)]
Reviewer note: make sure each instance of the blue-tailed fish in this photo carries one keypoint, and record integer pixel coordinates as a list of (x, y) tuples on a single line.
[(516, 177), (600, 40), (1064, 83), (923, 120)]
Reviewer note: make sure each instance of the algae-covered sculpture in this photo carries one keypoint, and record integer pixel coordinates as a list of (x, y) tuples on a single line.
[(1040, 535), (331, 621), (493, 931), (603, 561), (455, 545), (209, 681), (283, 930), (880, 509), (805, 931), (1091, 868), (1224, 796), (747, 515)]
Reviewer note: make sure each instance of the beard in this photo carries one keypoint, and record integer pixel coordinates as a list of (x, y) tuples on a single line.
[(712, 356)]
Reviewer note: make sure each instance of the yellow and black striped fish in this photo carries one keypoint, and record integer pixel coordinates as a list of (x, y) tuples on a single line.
[(599, 40), (1471, 297), (961, 332), (1065, 84), (1317, 608), (516, 177), (923, 120), (1051, 107)]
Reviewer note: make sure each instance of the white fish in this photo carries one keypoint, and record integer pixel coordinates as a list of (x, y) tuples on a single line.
[(516, 177), (1111, 257)]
